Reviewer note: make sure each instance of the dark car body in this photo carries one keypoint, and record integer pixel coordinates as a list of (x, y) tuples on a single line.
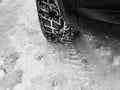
[(100, 17)]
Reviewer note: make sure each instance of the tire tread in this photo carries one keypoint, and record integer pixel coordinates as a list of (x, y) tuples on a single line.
[(53, 26)]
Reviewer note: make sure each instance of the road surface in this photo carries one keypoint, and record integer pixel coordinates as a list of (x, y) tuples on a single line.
[(87, 63)]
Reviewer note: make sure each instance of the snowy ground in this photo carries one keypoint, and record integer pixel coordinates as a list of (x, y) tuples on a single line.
[(42, 66)]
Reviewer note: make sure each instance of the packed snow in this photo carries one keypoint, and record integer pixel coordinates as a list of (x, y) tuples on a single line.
[(29, 62)]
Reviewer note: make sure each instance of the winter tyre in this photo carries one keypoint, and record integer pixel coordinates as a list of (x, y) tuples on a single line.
[(53, 26)]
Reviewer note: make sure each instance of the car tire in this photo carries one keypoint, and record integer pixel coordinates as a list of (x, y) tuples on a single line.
[(53, 26)]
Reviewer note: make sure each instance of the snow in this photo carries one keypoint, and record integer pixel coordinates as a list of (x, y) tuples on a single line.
[(42, 66)]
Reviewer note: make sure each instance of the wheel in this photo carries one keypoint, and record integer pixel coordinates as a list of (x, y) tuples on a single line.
[(53, 26)]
